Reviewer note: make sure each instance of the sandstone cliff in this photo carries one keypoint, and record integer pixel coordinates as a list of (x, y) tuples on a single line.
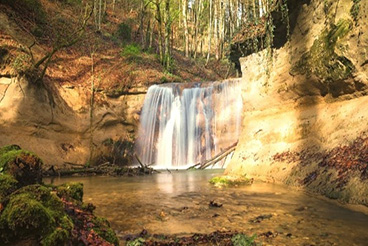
[(304, 118)]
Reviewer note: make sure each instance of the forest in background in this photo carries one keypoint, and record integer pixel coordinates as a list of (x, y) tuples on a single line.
[(190, 39)]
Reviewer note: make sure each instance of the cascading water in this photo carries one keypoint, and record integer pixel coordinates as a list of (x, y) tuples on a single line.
[(182, 125)]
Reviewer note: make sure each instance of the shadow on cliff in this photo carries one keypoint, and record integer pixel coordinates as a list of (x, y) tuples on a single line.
[(306, 91)]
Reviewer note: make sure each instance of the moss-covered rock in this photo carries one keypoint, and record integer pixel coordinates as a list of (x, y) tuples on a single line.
[(8, 148), (326, 61), (71, 190), (34, 211), (45, 214), (104, 230), (24, 216), (227, 181), (24, 166), (58, 237), (8, 184)]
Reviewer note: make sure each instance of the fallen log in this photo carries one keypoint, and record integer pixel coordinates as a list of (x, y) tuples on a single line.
[(216, 158)]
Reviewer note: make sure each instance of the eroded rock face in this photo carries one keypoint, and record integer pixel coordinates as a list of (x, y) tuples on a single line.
[(310, 103), (59, 129)]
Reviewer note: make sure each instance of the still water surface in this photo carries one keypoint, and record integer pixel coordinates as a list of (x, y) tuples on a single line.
[(178, 203)]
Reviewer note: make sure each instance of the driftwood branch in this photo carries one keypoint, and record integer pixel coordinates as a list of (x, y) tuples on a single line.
[(139, 161), (216, 158), (73, 164), (145, 167)]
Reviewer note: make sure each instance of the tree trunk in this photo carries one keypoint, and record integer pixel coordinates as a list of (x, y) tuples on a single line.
[(99, 15), (160, 32), (167, 57), (209, 33), (216, 27), (91, 147), (185, 22)]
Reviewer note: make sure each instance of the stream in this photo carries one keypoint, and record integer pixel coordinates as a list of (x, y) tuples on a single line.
[(178, 203)]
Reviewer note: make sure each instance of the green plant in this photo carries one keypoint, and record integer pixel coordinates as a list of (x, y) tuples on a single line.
[(285, 18), (230, 181), (136, 242), (163, 79), (124, 32), (21, 63), (326, 6), (243, 240), (323, 59), (131, 51), (354, 11)]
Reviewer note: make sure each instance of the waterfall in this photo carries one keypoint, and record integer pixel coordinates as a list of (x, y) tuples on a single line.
[(183, 124)]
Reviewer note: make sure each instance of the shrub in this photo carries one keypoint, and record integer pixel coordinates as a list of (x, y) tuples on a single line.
[(30, 8), (131, 50), (243, 240), (124, 32)]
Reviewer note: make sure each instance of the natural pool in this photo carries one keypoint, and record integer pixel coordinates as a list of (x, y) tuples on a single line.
[(178, 203)]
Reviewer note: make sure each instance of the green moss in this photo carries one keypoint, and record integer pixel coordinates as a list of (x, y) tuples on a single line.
[(23, 165), (230, 181), (7, 157), (103, 229), (36, 211), (25, 216), (323, 60), (58, 237), (71, 190), (354, 11), (8, 148), (8, 184)]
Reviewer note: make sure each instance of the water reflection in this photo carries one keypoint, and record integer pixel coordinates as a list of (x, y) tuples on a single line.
[(178, 203)]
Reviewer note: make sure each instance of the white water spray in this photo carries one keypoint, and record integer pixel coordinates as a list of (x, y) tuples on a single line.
[(182, 126)]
